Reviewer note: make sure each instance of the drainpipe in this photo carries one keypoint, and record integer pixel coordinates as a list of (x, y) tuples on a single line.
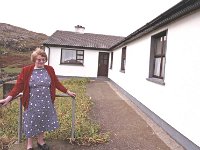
[(48, 54)]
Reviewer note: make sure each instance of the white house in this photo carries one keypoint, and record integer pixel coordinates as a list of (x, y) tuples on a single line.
[(78, 53), (157, 67)]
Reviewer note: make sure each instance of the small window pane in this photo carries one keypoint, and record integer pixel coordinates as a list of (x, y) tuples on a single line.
[(157, 67), (123, 64), (79, 57), (165, 38), (164, 47), (158, 47), (80, 52), (80, 61), (68, 56), (163, 68)]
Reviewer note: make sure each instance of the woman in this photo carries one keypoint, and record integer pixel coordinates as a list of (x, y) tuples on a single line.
[(38, 83)]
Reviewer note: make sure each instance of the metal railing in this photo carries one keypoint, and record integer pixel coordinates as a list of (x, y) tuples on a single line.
[(57, 95)]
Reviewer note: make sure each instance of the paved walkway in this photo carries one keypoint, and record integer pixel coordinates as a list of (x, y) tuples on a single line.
[(129, 128)]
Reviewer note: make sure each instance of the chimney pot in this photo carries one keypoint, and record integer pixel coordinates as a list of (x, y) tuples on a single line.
[(79, 29)]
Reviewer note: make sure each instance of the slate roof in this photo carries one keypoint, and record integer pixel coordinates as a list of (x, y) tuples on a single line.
[(82, 40), (181, 9), (107, 42)]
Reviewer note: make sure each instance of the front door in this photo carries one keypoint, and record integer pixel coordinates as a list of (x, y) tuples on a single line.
[(103, 64)]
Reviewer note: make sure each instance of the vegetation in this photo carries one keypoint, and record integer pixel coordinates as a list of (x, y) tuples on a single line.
[(87, 131), (12, 70), (19, 39), (13, 59), (16, 45), (11, 62)]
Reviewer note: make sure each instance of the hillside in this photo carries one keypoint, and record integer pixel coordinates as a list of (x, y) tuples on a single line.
[(16, 45), (19, 39)]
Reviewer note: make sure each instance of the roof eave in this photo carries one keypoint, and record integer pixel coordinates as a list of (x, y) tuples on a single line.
[(159, 21), (77, 47)]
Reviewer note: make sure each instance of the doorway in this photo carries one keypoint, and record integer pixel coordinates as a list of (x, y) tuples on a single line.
[(103, 64)]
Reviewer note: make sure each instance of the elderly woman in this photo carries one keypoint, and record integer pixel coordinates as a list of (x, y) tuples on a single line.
[(38, 83)]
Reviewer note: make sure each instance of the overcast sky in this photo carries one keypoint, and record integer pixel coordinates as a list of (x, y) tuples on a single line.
[(110, 17)]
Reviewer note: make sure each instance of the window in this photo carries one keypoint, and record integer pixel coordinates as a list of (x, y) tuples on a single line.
[(158, 57), (111, 63), (71, 56), (123, 59)]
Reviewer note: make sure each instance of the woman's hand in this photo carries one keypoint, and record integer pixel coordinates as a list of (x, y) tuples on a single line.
[(4, 102), (72, 94)]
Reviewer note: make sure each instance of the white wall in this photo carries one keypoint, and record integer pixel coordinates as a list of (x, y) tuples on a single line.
[(89, 69), (178, 101)]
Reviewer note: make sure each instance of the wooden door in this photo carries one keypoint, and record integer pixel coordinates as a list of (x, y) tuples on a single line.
[(103, 64)]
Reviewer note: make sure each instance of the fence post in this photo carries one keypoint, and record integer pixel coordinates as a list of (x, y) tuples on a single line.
[(73, 118), (20, 117), (20, 122)]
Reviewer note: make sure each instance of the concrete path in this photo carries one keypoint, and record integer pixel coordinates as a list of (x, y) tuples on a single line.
[(129, 128)]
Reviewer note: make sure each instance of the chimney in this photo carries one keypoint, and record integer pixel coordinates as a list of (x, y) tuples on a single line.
[(79, 29)]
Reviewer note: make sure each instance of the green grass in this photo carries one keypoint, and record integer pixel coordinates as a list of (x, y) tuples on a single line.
[(1, 92), (12, 70), (87, 131)]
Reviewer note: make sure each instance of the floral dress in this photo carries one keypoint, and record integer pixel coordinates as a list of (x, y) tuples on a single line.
[(40, 115)]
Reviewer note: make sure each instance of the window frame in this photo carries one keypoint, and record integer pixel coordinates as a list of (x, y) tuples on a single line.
[(77, 55), (123, 60), (159, 79), (111, 60)]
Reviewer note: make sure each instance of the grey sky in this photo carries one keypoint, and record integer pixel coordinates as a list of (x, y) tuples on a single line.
[(110, 17)]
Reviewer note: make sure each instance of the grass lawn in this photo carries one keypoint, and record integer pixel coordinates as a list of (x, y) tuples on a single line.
[(86, 132), (12, 70)]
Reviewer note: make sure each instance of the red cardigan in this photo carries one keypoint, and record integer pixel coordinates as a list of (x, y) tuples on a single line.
[(23, 84)]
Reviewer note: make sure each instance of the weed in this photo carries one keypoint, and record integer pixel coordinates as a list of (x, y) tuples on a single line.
[(86, 132)]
